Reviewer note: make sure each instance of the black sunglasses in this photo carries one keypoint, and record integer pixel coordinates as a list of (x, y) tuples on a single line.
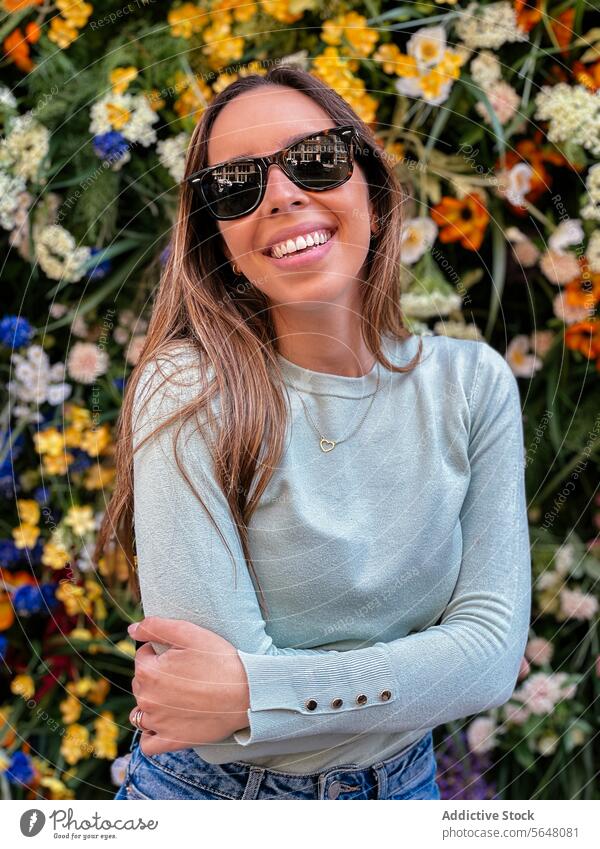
[(318, 162)]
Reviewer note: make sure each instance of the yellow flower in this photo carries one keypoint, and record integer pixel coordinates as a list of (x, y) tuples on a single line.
[(72, 436), (127, 647), (99, 691), (186, 20), (73, 598), (49, 441), (74, 744), (29, 510), (219, 48), (95, 440), (353, 27), (406, 66), (75, 11), (81, 687), (388, 55), (57, 789), (280, 10), (450, 65), (57, 465), (26, 535), (107, 732), (98, 477), (70, 709), (155, 101), (80, 519), (81, 634), (117, 115), (55, 555), (121, 78), (62, 32), (23, 685), (80, 417), (244, 11)]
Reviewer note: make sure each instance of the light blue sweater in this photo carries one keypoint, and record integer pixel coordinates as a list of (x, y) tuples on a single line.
[(396, 567)]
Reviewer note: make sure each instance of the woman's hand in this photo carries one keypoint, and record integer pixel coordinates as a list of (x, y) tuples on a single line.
[(195, 692)]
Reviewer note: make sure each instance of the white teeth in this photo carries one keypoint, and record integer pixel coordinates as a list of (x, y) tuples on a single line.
[(318, 237)]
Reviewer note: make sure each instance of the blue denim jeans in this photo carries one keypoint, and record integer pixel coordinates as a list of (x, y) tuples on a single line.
[(183, 774)]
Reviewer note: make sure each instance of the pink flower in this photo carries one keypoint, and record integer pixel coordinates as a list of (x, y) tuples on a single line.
[(568, 313), (577, 605), (481, 734), (515, 714), (541, 340), (539, 693), (539, 651), (560, 267), (505, 102), (135, 348), (86, 362), (519, 359)]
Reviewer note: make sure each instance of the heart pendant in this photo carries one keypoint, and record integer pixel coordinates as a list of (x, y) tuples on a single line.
[(327, 445)]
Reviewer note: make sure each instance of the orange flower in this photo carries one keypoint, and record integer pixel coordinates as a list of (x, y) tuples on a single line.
[(527, 14), (17, 5), (584, 336), (463, 220), (562, 27), (587, 75), (16, 48), (7, 613), (537, 154), (583, 292)]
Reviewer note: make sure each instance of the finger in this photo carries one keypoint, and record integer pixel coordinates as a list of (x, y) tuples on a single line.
[(153, 744), (175, 632)]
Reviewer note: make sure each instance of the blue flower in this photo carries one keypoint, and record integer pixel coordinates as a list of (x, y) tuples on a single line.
[(111, 145), (3, 646), (10, 555), (119, 382), (101, 269), (20, 770), (41, 495), (81, 462), (49, 594), (27, 600), (14, 331)]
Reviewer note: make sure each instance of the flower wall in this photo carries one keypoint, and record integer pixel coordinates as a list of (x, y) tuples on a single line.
[(490, 112)]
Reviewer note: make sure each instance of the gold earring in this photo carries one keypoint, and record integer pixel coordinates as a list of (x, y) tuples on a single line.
[(236, 270)]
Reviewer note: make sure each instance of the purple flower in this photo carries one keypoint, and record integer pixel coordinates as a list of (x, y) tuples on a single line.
[(462, 774), (101, 269)]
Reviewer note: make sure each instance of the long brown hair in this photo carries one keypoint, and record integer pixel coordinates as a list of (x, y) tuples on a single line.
[(200, 301)]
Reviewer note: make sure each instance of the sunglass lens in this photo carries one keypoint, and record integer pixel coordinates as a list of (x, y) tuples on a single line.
[(320, 162), (232, 190)]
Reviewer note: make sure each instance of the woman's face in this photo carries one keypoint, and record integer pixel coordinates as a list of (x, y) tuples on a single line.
[(260, 122)]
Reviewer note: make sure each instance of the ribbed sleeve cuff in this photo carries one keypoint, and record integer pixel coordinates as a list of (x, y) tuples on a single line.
[(323, 684)]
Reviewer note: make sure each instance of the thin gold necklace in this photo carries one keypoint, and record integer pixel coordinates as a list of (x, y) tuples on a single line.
[(328, 445)]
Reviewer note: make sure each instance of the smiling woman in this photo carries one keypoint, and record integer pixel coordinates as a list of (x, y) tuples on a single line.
[(281, 419)]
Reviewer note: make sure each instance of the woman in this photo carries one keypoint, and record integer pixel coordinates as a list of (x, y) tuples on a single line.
[(330, 518)]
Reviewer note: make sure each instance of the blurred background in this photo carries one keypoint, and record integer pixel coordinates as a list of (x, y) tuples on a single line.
[(490, 112)]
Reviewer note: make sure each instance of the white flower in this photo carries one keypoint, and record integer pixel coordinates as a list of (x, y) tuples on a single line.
[(7, 98), (515, 183), (430, 304), (522, 363), (36, 382), (485, 69), (11, 192), (25, 147), (546, 745), (573, 114), (129, 114), (458, 330), (593, 252), (171, 153), (569, 232), (58, 256), (591, 211), (481, 734), (417, 236), (489, 26), (427, 46)]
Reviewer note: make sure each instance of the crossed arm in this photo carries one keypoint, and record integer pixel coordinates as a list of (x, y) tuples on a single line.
[(466, 664)]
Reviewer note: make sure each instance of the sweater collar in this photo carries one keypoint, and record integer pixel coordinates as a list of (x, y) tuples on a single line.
[(324, 383)]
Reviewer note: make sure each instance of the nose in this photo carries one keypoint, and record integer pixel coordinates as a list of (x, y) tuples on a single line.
[(281, 192)]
